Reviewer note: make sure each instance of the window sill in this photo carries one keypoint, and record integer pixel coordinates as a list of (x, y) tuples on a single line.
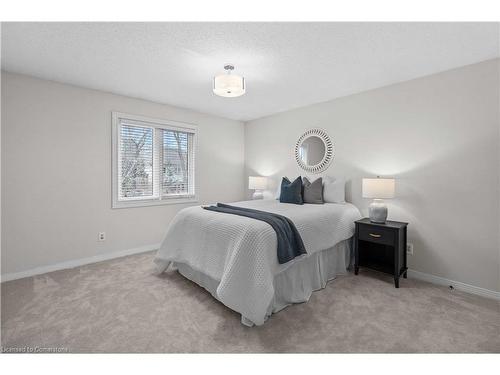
[(147, 203)]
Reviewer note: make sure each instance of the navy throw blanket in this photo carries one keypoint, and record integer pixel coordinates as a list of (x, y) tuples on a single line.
[(290, 243)]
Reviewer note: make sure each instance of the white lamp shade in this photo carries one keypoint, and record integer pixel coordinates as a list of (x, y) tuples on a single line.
[(229, 85), (378, 188), (257, 183)]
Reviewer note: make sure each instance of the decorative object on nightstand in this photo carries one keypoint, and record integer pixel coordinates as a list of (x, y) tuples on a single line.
[(258, 184), (379, 189), (381, 247)]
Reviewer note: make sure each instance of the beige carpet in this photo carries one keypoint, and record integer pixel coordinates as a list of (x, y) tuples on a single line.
[(122, 306)]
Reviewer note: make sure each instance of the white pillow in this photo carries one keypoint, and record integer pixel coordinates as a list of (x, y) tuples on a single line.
[(334, 190), (278, 191)]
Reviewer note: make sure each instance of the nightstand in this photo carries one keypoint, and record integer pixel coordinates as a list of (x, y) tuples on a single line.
[(381, 247)]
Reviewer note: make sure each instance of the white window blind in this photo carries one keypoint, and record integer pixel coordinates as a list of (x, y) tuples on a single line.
[(136, 162), (154, 161), (177, 163)]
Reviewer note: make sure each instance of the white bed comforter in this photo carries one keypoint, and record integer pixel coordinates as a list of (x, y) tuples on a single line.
[(241, 253)]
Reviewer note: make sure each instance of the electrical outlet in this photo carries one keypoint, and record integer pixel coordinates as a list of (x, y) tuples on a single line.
[(409, 248), (101, 236)]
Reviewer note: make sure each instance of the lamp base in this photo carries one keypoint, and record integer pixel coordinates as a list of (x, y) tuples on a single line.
[(258, 194), (377, 211)]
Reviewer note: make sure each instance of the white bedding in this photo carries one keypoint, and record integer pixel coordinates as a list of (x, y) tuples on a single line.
[(241, 253)]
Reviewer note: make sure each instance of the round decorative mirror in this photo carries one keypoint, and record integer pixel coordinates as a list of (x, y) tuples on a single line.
[(314, 150)]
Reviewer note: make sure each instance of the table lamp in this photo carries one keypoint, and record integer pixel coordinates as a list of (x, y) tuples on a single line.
[(378, 189), (258, 184)]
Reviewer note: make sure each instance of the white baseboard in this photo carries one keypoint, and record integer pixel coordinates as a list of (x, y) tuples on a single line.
[(77, 262), (456, 284), (118, 254)]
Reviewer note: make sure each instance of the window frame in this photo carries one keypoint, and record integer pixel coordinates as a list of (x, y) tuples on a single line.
[(154, 123)]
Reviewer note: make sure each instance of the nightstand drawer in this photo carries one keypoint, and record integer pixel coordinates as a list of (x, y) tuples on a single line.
[(375, 234)]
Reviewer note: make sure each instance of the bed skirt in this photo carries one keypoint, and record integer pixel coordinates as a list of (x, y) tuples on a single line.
[(296, 283)]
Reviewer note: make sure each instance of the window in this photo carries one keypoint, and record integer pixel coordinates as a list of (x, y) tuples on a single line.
[(153, 161)]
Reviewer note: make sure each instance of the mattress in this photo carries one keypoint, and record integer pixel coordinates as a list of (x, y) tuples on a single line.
[(239, 253)]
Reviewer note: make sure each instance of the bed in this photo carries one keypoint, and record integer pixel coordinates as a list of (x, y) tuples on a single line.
[(234, 257)]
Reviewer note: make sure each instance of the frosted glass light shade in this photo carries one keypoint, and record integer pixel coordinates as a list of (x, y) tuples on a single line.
[(257, 183), (229, 85), (378, 188)]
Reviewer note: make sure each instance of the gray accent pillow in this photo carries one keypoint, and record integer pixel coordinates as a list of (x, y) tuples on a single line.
[(313, 191)]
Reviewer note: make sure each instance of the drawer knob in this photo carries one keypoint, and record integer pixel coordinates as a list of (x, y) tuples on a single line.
[(375, 235)]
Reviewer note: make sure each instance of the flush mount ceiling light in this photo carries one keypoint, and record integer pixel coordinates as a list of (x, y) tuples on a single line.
[(229, 85)]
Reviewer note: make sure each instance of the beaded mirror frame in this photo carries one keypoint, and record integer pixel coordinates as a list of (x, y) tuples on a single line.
[(327, 157)]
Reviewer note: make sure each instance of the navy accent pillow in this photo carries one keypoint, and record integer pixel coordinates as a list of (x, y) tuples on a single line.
[(291, 192)]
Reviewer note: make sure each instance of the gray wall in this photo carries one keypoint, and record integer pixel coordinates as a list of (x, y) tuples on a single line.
[(56, 172), (438, 136)]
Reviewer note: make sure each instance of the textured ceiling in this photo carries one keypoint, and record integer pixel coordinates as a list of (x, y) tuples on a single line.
[(286, 65)]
